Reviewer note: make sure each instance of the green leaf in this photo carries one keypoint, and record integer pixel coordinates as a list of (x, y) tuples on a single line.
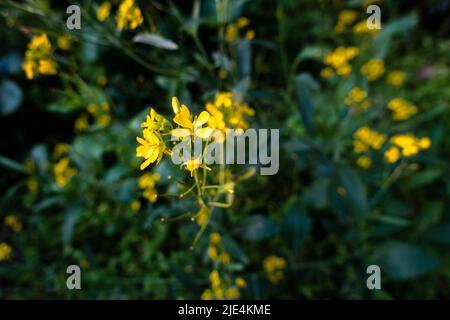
[(419, 179), (440, 234), (70, 220), (304, 86), (11, 164), (155, 40), (296, 226), (11, 97), (403, 261), (257, 227), (244, 54), (233, 248), (354, 188)]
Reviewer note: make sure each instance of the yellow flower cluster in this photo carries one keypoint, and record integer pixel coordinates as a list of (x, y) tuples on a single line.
[(129, 15), (227, 113), (32, 182), (365, 138), (405, 145), (401, 109), (12, 222), (361, 28), (339, 60), (346, 17), (101, 115), (38, 57), (373, 69), (222, 289), (215, 246), (152, 146), (147, 182), (5, 251), (395, 78), (233, 29), (357, 98), (103, 11), (62, 170), (274, 266)]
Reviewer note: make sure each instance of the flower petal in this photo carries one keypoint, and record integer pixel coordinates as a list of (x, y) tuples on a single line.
[(201, 119), (180, 133)]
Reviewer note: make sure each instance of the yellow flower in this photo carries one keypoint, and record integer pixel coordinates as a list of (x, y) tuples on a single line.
[(242, 22), (38, 57), (64, 42), (240, 282), (63, 172), (212, 253), (129, 15), (104, 120), (225, 258), (13, 223), (409, 144), (151, 149), (206, 295), (232, 293), (326, 72), (194, 164), (148, 180), (231, 33), (273, 266), (214, 278), (150, 194), (401, 109), (361, 28), (32, 185), (373, 69), (214, 238), (250, 35), (5, 251), (60, 150), (364, 162), (365, 138), (136, 205), (103, 11), (202, 216), (357, 97), (82, 123), (396, 78), (189, 126), (392, 154)]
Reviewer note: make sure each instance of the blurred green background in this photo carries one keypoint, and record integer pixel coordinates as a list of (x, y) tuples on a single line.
[(308, 232)]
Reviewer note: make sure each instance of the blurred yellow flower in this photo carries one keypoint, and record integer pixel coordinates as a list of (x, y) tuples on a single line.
[(129, 15), (135, 205), (326, 72), (5, 251), (250, 35), (392, 154), (103, 11), (232, 293), (274, 266), (214, 238), (240, 282), (373, 69), (346, 17), (401, 109), (64, 42), (202, 216), (357, 98), (364, 162), (242, 22), (231, 33), (365, 138), (395, 78), (82, 123), (12, 222), (38, 57), (409, 144), (361, 28), (63, 172)]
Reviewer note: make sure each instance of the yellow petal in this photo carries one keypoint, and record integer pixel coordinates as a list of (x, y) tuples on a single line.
[(204, 133), (185, 111), (201, 119), (180, 133), (182, 121), (175, 105), (145, 164)]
